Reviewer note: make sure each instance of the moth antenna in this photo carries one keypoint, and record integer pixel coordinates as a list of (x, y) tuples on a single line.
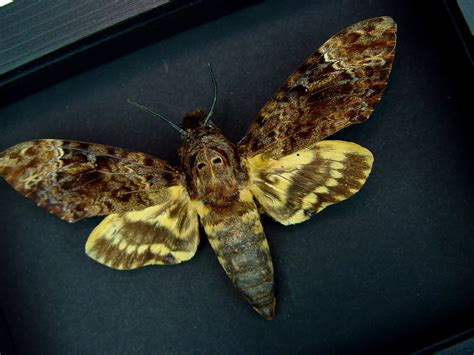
[(153, 113), (214, 100)]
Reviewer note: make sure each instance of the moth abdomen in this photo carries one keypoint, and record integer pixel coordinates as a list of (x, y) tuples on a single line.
[(237, 237), (249, 266)]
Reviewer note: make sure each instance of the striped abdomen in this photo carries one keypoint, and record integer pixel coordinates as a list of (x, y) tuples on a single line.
[(236, 235)]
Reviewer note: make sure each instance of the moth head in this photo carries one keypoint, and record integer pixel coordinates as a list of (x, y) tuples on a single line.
[(193, 121), (194, 125)]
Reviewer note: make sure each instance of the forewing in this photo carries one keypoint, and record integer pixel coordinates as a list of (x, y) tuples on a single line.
[(75, 179), (338, 85), (296, 186), (163, 234)]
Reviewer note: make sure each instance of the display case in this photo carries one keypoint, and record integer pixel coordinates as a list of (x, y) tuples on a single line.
[(390, 270)]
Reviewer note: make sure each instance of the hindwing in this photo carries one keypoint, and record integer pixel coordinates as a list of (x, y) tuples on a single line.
[(167, 233), (294, 187)]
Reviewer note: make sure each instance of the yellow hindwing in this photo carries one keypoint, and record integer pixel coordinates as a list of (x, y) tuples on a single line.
[(294, 187), (166, 233)]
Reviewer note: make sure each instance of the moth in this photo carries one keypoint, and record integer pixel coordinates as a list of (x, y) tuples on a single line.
[(283, 167)]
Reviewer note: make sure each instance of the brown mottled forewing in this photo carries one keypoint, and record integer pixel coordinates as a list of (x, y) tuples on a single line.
[(75, 179), (338, 85)]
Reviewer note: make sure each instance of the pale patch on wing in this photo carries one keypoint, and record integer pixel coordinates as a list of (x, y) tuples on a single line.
[(166, 233), (294, 187)]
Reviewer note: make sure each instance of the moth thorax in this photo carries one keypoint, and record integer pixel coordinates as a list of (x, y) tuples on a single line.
[(214, 177)]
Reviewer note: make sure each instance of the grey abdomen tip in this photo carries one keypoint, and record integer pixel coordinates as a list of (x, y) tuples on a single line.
[(267, 311)]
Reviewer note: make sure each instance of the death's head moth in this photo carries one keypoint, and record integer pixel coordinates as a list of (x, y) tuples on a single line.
[(282, 167)]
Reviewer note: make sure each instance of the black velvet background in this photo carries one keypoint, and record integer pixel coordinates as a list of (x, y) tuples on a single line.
[(389, 270)]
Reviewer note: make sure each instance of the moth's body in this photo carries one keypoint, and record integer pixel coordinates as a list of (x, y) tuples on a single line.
[(282, 167), (218, 184)]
